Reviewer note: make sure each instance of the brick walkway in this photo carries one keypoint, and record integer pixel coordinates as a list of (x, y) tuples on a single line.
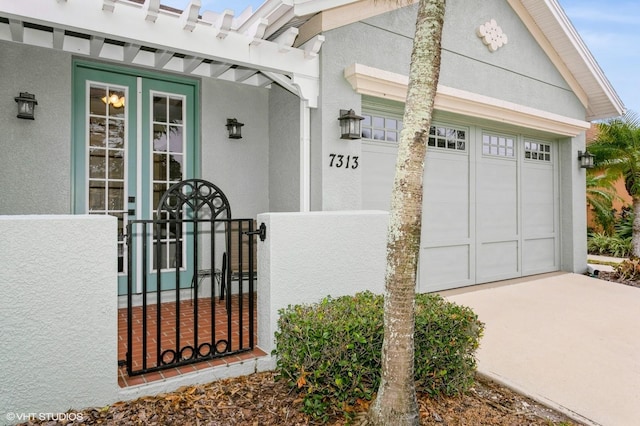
[(213, 321)]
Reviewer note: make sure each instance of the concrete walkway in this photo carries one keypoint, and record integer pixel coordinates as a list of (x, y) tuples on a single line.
[(569, 341)]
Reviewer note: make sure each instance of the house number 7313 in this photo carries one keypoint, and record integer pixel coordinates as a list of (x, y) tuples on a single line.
[(346, 161)]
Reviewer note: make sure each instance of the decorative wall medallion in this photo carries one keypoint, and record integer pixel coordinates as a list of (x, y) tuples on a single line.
[(492, 35)]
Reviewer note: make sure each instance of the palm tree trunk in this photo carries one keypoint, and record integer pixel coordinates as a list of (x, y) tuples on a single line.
[(396, 399), (635, 239)]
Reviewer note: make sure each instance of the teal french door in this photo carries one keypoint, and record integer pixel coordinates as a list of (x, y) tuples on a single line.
[(135, 134)]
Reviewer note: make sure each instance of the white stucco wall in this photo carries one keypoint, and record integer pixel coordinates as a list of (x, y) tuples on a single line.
[(58, 313), (239, 167), (307, 256), (284, 151)]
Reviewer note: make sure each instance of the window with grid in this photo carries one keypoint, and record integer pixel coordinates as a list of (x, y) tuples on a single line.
[(537, 151), (447, 138), (379, 127), (498, 145)]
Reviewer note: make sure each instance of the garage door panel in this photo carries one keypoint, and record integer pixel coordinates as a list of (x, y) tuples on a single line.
[(539, 255), (538, 200), (378, 169), (445, 267), (445, 209), (497, 200), (497, 260)]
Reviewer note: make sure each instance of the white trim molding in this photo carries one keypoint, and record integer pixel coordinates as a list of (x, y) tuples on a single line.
[(388, 85)]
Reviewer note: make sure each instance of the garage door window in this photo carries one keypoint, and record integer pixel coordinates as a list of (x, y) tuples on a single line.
[(447, 138), (537, 151), (381, 128), (498, 146)]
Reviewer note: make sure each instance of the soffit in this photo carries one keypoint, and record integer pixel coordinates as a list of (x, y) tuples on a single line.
[(552, 28)]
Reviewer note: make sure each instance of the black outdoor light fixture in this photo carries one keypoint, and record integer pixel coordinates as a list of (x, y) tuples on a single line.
[(586, 159), (349, 124), (26, 105), (235, 128)]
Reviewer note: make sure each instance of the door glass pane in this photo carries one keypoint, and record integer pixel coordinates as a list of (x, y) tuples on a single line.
[(159, 137), (97, 131), (116, 133), (97, 193), (160, 109), (168, 148), (160, 168), (96, 105), (116, 103), (158, 190), (175, 111), (97, 163), (106, 141), (175, 168), (116, 196), (176, 139), (116, 165)]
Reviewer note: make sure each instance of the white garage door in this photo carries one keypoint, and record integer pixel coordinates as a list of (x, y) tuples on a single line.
[(490, 205)]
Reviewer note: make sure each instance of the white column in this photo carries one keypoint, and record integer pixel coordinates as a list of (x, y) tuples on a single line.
[(305, 156)]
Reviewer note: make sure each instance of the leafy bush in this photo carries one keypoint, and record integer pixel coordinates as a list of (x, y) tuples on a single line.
[(331, 351), (624, 225), (446, 339), (629, 269), (614, 245)]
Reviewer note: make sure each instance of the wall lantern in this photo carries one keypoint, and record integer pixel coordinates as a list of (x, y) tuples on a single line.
[(586, 160), (26, 105), (235, 128), (349, 124)]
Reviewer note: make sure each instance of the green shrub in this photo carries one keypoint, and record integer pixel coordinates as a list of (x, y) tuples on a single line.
[(446, 339), (616, 246), (624, 225), (331, 351)]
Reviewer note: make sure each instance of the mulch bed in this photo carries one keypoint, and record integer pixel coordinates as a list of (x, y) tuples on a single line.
[(258, 400), (611, 276)]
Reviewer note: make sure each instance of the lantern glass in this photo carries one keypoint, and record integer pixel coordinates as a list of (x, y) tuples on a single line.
[(349, 124), (586, 159), (26, 105), (235, 128)]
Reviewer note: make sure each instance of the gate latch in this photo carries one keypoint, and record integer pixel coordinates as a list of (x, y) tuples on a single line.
[(261, 232)]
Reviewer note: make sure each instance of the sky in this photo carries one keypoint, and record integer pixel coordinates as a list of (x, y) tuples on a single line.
[(609, 28)]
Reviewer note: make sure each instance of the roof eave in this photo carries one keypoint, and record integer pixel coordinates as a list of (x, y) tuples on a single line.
[(602, 100)]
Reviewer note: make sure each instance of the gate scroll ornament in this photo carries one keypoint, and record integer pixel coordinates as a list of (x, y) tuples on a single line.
[(195, 194)]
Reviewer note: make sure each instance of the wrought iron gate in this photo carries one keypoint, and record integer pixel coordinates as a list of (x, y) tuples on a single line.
[(173, 318)]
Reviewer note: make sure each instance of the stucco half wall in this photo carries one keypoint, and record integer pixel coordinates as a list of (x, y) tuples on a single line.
[(59, 329), (307, 256)]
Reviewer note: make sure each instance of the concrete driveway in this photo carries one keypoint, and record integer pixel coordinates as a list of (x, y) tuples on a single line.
[(567, 340)]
